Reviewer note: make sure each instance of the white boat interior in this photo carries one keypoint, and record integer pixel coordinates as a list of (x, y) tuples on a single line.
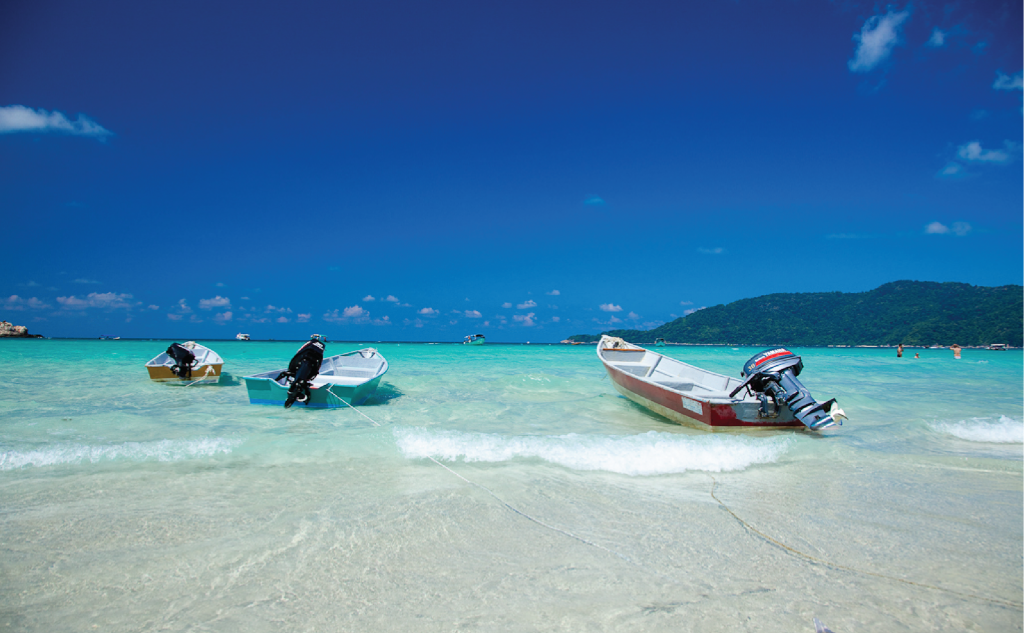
[(349, 369), (204, 356), (670, 373)]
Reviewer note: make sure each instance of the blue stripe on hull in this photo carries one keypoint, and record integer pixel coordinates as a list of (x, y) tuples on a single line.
[(311, 405)]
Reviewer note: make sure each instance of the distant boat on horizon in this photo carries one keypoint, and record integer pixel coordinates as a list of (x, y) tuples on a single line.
[(241, 337), (474, 339)]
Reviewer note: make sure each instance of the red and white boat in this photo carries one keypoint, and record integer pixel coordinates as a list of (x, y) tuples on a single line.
[(769, 397)]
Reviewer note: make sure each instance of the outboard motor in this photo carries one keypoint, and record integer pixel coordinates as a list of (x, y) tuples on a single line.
[(772, 377), (302, 369), (183, 359)]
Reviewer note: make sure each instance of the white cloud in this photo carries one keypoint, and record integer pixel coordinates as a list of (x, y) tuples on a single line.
[(223, 317), (711, 251), (526, 320), (555, 319), (937, 228), (553, 293), (392, 299), (369, 298), (219, 284), (692, 310), (18, 118), (473, 314), (383, 321), (610, 307), (154, 307), (633, 315), (105, 300), (282, 319), (973, 152), (428, 312), (686, 303), (273, 308), (14, 302), (506, 305), (951, 170), (937, 40), (85, 281), (174, 317), (1007, 82), (876, 39), (183, 307), (303, 318), (530, 303), (216, 302), (354, 312), (961, 228)]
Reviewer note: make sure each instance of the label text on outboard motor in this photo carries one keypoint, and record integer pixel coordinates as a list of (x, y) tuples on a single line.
[(772, 354)]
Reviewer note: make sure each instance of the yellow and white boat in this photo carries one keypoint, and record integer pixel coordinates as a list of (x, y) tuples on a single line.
[(204, 366)]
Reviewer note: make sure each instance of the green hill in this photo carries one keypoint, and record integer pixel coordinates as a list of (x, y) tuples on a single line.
[(908, 312)]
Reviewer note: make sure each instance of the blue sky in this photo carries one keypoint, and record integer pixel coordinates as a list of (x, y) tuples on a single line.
[(423, 171)]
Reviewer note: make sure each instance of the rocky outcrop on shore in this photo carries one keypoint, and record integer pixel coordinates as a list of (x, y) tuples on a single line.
[(9, 330)]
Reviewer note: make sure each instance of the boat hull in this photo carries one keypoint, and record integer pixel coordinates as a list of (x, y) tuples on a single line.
[(323, 396), (693, 412), (204, 374)]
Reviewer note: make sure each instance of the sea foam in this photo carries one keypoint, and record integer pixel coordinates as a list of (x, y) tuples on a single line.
[(651, 453), (159, 450), (1005, 430)]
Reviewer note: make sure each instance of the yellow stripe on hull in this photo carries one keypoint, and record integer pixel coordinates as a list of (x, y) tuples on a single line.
[(205, 373)]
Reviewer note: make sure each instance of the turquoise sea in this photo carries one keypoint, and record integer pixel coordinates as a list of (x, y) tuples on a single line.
[(504, 488)]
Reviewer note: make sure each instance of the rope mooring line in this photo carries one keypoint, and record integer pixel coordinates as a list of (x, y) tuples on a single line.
[(514, 509), (203, 377), (818, 561)]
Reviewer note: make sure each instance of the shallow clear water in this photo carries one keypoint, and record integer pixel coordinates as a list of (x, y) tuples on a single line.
[(505, 488)]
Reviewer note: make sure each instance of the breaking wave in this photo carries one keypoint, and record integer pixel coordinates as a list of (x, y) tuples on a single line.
[(1005, 430), (651, 453), (160, 451)]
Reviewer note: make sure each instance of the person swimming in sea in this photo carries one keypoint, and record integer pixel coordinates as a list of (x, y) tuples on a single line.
[(956, 351), (899, 351)]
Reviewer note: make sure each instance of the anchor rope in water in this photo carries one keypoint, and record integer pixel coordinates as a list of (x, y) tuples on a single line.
[(203, 377), (813, 559), (513, 508)]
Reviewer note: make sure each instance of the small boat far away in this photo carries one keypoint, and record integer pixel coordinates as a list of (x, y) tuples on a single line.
[(771, 395), (189, 361), (474, 339), (317, 382), (998, 347), (241, 337), (659, 342)]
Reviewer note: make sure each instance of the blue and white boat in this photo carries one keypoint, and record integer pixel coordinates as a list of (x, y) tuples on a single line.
[(345, 379)]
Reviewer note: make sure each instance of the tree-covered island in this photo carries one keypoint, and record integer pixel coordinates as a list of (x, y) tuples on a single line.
[(918, 313)]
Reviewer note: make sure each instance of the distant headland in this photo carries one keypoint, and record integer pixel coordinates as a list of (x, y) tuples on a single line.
[(915, 313), (9, 330)]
